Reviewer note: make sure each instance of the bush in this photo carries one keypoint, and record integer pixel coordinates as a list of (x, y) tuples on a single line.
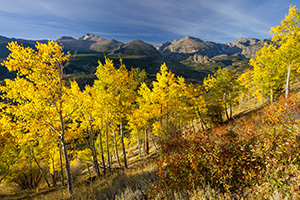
[(27, 177), (232, 157)]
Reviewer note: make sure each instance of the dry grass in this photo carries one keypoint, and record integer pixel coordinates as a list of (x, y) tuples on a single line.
[(133, 183), (119, 184), (286, 192)]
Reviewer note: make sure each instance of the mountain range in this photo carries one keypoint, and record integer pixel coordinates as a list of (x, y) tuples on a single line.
[(186, 57), (177, 50)]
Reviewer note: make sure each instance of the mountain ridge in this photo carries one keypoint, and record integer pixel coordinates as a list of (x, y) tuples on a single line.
[(188, 44), (187, 53)]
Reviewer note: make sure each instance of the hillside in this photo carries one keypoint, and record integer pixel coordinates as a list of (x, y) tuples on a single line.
[(136, 182), (137, 47)]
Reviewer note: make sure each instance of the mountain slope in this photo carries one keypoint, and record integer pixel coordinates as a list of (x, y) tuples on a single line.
[(184, 48), (89, 43), (189, 57), (138, 47)]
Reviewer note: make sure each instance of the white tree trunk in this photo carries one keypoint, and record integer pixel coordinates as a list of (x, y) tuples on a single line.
[(65, 153), (123, 145), (272, 96), (287, 82)]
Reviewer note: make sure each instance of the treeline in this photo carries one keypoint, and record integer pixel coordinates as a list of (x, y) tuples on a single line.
[(47, 123)]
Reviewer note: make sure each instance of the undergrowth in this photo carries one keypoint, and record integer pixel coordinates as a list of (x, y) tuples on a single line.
[(237, 159)]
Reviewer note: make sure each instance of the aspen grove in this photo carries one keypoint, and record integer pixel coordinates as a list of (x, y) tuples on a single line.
[(48, 123)]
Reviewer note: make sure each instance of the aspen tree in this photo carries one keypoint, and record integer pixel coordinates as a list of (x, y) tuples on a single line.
[(277, 62), (85, 122), (115, 89), (222, 87), (168, 105), (40, 99)]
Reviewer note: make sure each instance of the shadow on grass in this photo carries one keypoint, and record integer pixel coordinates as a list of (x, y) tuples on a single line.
[(132, 182)]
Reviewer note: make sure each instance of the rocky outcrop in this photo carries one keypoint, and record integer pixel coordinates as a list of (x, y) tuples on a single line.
[(243, 42), (248, 46), (249, 51), (188, 46), (202, 51), (197, 58)]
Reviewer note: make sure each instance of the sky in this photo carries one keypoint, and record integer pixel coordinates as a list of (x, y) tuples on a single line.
[(153, 21)]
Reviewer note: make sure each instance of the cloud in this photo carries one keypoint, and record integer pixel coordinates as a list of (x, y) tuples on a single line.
[(191, 17), (145, 19)]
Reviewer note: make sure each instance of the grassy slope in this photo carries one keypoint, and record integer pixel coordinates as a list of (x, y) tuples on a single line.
[(134, 182)]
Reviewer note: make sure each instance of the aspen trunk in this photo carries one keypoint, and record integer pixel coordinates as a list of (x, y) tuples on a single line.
[(224, 101), (144, 147), (203, 124), (62, 134), (254, 91), (88, 167), (146, 142), (230, 106), (161, 118), (116, 147), (249, 94), (31, 179), (138, 142), (107, 148), (287, 84), (272, 98), (123, 145), (241, 100), (166, 124), (153, 141), (53, 171), (6, 173), (39, 166), (65, 153), (101, 149), (67, 164), (262, 95), (95, 160), (93, 149), (61, 166)]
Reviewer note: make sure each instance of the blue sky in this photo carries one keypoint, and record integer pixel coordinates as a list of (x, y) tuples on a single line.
[(153, 21)]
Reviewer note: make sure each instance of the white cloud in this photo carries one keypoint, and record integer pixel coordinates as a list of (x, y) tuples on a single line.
[(145, 18)]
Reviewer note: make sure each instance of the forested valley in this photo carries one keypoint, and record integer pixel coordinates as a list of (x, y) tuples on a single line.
[(234, 136)]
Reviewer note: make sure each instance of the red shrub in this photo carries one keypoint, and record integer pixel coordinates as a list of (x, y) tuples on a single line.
[(234, 156)]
